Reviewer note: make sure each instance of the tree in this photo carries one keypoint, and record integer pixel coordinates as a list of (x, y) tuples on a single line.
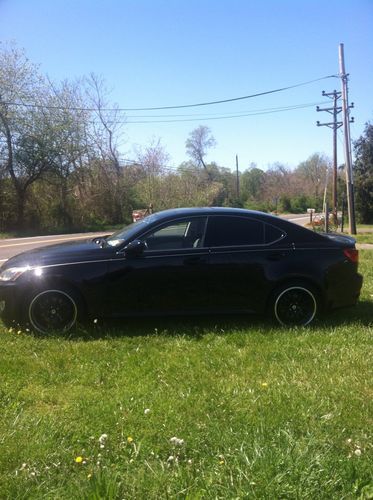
[(152, 160), (315, 171), (363, 172), (252, 182), (22, 128), (199, 142)]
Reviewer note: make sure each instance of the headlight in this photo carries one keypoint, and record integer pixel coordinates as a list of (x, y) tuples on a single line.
[(12, 273)]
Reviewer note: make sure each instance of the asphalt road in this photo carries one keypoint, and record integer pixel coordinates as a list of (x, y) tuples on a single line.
[(10, 247)]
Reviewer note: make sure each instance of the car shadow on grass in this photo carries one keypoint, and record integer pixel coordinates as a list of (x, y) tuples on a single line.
[(222, 324)]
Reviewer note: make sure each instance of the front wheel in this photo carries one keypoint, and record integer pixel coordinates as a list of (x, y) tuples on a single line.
[(295, 305), (53, 311)]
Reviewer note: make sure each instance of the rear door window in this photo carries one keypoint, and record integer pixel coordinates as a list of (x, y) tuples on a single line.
[(273, 233), (227, 231)]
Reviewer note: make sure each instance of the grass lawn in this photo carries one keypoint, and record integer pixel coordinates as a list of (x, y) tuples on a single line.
[(364, 238), (257, 411)]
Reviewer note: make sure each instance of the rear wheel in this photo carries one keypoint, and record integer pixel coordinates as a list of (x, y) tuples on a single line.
[(53, 310), (295, 305)]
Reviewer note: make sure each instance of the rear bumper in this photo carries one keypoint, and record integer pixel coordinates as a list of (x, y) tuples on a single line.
[(345, 292)]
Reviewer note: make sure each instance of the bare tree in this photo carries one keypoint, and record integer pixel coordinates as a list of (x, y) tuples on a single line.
[(314, 170), (153, 160), (197, 145), (107, 121)]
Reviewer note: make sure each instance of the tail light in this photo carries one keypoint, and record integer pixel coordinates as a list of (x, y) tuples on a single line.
[(352, 254)]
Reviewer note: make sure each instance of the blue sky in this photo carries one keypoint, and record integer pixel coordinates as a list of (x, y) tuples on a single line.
[(161, 53)]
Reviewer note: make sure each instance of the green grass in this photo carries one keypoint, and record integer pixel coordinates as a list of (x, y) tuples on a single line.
[(364, 238), (263, 412)]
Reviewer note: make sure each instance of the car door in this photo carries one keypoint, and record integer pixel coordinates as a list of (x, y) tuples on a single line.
[(240, 256), (169, 276)]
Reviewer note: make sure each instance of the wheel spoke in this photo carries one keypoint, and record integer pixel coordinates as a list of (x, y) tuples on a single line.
[(295, 306), (52, 310)]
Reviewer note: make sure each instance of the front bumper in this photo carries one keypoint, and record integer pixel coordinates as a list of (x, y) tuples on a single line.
[(9, 301)]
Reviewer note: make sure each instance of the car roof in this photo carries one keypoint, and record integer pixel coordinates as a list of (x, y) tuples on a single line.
[(180, 212)]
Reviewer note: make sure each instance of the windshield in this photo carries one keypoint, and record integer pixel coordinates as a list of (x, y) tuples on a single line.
[(127, 232)]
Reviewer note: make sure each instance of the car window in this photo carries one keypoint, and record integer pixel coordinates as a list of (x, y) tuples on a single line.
[(273, 233), (186, 233), (233, 231)]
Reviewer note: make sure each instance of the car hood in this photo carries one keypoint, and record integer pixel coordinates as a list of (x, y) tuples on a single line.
[(62, 253)]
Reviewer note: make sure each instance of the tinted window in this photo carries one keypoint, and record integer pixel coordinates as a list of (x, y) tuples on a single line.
[(227, 231), (186, 233), (273, 233)]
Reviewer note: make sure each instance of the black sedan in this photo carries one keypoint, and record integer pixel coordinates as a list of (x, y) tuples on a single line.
[(184, 261)]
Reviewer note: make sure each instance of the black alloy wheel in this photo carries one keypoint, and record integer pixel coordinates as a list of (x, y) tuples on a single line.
[(53, 310), (295, 305)]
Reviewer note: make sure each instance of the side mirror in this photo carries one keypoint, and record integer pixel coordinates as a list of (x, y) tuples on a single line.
[(134, 248)]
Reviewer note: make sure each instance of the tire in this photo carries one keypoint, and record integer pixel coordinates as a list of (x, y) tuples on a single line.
[(295, 304), (53, 310)]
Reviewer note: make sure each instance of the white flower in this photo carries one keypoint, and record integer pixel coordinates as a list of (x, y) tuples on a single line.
[(146, 411), (176, 441), (102, 439), (358, 452), (170, 458)]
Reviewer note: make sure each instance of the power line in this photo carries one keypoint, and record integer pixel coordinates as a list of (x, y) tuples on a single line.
[(222, 101), (235, 114), (158, 108), (224, 117)]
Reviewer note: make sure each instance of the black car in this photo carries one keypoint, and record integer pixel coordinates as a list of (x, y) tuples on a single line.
[(184, 261)]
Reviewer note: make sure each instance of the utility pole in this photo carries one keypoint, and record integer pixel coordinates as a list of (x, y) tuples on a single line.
[(334, 125), (347, 142), (237, 179)]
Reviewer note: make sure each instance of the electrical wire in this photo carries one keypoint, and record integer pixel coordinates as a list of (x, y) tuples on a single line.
[(158, 108), (225, 117)]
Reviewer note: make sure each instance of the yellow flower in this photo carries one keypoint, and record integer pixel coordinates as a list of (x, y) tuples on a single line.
[(264, 384), (79, 460), (130, 439), (221, 462)]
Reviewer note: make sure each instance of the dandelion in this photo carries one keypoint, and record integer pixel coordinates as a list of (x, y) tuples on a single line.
[(264, 384), (102, 440), (130, 439), (221, 462), (176, 441), (89, 476), (78, 460)]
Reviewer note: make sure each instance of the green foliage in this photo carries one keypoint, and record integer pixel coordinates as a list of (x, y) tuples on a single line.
[(363, 172)]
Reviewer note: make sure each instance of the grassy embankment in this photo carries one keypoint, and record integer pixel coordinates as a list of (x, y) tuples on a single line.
[(263, 412)]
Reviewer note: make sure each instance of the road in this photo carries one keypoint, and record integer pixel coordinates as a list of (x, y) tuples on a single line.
[(10, 247)]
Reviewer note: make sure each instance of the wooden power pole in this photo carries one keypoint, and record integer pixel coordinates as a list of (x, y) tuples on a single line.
[(347, 142), (334, 125), (237, 179)]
